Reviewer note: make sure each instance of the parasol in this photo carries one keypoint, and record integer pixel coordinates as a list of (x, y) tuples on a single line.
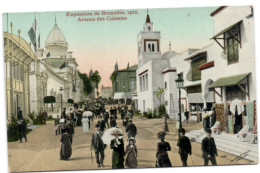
[(87, 114), (107, 137)]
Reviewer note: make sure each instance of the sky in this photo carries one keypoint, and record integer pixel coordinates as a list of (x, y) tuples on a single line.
[(100, 44)]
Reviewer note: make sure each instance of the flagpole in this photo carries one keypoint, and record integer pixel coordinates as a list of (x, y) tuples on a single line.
[(7, 23), (35, 34)]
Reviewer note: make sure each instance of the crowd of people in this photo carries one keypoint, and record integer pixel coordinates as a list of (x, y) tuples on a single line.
[(108, 133)]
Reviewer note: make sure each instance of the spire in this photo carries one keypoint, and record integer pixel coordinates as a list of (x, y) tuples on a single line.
[(116, 67), (147, 18), (128, 65), (55, 20), (170, 46)]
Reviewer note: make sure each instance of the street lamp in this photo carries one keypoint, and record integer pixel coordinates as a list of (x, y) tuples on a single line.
[(61, 92), (179, 83)]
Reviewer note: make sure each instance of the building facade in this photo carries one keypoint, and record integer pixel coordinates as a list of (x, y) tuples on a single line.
[(220, 75), (124, 83), (55, 68), (18, 56), (106, 92)]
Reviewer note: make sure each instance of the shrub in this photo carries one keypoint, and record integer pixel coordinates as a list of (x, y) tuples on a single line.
[(32, 117), (145, 114), (39, 119), (162, 110), (12, 129), (150, 114), (155, 113)]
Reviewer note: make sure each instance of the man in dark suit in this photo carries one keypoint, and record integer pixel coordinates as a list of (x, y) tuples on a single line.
[(19, 114), (184, 147), (131, 129), (209, 149), (98, 145), (106, 117), (112, 122)]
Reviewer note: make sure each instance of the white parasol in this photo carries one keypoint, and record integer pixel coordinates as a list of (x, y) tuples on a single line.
[(87, 114), (107, 137)]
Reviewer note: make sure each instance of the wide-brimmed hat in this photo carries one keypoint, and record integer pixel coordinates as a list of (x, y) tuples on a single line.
[(161, 135), (131, 139), (116, 132)]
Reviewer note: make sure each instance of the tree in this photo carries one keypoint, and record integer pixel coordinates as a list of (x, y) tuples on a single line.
[(88, 88), (158, 93), (113, 76), (95, 77)]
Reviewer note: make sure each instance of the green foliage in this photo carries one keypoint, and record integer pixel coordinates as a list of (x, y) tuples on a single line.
[(155, 113), (113, 76), (36, 119), (162, 110), (95, 77), (12, 129), (158, 93), (88, 88)]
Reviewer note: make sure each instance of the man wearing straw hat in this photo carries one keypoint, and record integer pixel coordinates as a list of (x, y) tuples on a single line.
[(98, 145)]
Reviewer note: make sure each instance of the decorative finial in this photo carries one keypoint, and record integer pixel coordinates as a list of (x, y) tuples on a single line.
[(147, 11), (19, 32), (170, 45)]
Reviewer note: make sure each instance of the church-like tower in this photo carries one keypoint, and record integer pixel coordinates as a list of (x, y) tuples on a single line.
[(148, 43)]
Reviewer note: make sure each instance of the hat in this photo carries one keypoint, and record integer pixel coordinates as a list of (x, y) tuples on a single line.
[(161, 135), (208, 131), (130, 120), (131, 139), (96, 126), (182, 131), (116, 132)]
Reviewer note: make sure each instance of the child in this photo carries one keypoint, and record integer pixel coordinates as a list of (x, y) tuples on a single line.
[(131, 153)]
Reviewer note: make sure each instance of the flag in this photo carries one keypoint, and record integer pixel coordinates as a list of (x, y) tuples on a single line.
[(48, 54), (32, 34), (39, 41)]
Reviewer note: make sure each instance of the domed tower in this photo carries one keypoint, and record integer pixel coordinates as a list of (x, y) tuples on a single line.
[(56, 43)]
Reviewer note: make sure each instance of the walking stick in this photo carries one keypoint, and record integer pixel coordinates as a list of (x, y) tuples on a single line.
[(91, 158), (191, 161)]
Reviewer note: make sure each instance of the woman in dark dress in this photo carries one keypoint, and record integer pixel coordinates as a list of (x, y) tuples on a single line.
[(65, 150), (165, 124), (131, 154), (117, 145), (161, 154)]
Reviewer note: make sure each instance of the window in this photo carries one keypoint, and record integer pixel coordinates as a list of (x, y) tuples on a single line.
[(146, 81), (152, 47), (165, 85), (195, 65), (143, 82), (232, 49)]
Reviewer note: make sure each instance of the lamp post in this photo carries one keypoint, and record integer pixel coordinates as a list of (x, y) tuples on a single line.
[(179, 83), (61, 92)]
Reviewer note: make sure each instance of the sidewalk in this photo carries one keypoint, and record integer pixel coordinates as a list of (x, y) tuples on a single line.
[(228, 143)]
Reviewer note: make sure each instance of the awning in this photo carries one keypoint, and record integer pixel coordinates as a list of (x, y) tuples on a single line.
[(229, 81), (119, 95), (225, 30), (195, 98)]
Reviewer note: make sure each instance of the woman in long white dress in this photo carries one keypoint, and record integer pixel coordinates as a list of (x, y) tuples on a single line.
[(85, 121)]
